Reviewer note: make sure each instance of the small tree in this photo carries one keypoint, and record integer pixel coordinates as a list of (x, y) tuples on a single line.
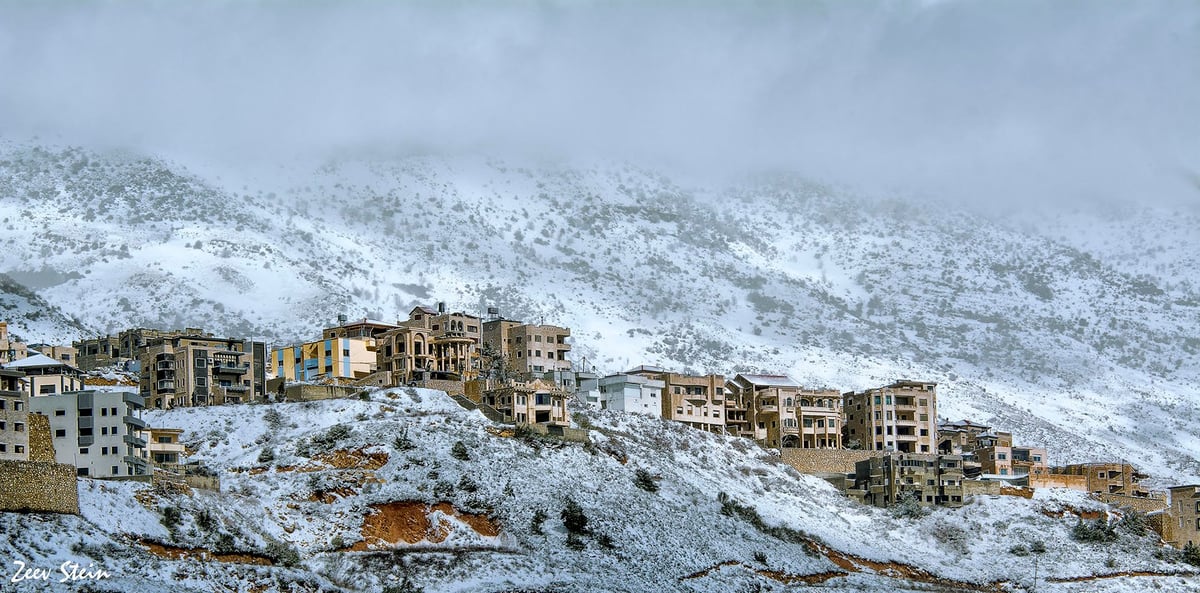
[(1191, 554), (535, 524), (267, 455), (642, 479), (573, 518), (402, 442), (459, 451), (908, 506)]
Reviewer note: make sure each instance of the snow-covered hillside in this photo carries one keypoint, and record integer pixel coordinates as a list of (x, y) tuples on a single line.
[(1076, 331), (366, 493)]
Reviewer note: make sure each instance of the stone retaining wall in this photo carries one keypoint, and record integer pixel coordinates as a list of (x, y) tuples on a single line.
[(826, 461), (38, 486)]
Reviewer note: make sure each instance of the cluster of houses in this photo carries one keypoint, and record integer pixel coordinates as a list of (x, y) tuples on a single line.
[(880, 446)]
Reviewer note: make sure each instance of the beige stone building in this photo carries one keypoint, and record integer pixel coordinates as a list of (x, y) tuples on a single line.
[(361, 328), (1120, 479), (14, 416), (10, 348), (94, 353), (781, 413), (959, 437), (695, 400), (184, 371), (47, 376), (931, 479), (899, 417), (528, 349), (530, 402), (67, 355), (1180, 523), (162, 446), (431, 345)]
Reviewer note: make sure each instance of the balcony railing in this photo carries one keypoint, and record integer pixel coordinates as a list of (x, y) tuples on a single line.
[(135, 422), (231, 367), (136, 442), (236, 388), (165, 365)]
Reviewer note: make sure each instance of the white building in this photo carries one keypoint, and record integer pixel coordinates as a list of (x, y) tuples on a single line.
[(96, 431), (632, 393)]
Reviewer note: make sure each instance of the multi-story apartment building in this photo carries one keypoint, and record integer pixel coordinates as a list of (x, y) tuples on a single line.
[(637, 394), (533, 402), (432, 344), (184, 371), (997, 455), (14, 416), (931, 479), (695, 400), (47, 376), (528, 349), (898, 417), (959, 438), (332, 358), (10, 348), (96, 431), (1180, 523), (779, 412), (126, 346), (94, 353)]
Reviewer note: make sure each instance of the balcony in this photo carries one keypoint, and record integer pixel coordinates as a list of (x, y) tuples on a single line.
[(166, 386), (85, 440), (134, 441), (136, 462), (230, 368), (165, 365), (135, 422), (133, 400), (235, 388), (769, 409), (86, 422)]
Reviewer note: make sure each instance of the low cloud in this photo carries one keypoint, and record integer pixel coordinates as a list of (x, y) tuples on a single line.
[(985, 101)]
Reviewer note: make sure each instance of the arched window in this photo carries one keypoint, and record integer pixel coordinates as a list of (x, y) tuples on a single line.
[(788, 402)]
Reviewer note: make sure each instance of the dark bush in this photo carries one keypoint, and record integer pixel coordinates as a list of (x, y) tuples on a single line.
[(573, 518), (459, 451), (642, 479), (1098, 531)]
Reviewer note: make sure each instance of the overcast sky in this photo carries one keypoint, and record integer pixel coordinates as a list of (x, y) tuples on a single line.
[(977, 99)]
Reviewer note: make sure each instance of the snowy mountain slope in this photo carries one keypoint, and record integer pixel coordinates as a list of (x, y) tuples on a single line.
[(1032, 328), (337, 496)]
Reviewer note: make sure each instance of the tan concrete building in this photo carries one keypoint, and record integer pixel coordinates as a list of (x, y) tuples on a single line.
[(1180, 523), (695, 400), (782, 413), (959, 437), (14, 416), (184, 371), (899, 417), (162, 445), (361, 328), (533, 402), (528, 349), (10, 348), (432, 345), (931, 479), (67, 355), (47, 376)]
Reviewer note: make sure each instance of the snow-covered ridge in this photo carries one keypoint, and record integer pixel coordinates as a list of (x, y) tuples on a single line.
[(326, 489)]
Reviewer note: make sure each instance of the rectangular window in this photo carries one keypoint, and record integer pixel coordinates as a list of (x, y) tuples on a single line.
[(103, 411), (3, 448), (112, 412), (116, 471), (924, 417), (345, 352), (878, 400), (83, 450), (83, 471), (60, 433), (201, 382), (46, 390), (104, 430), (19, 427), (85, 413), (888, 400), (104, 450), (924, 402)]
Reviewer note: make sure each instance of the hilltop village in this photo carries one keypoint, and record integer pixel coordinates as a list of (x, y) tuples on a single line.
[(76, 411)]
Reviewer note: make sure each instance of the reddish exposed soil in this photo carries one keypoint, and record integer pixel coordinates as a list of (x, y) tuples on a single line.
[(1115, 575), (410, 522), (175, 553)]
